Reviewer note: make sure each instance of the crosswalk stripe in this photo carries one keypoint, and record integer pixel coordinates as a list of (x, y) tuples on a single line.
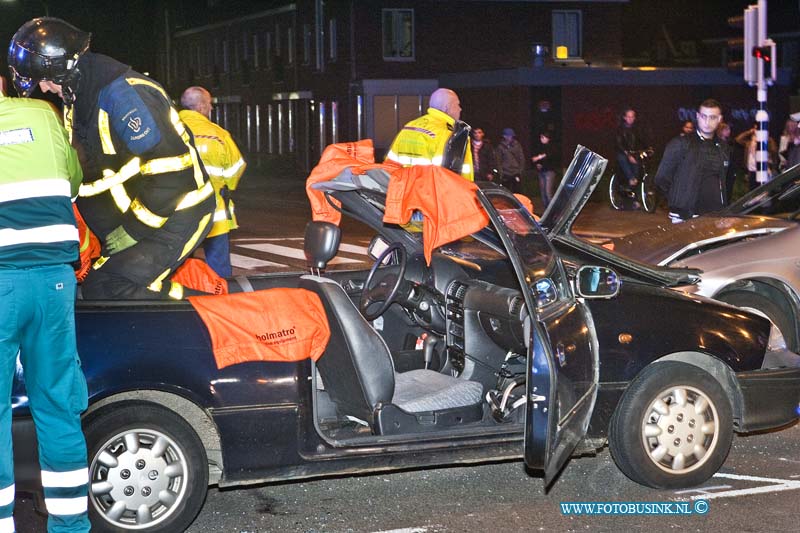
[(353, 249), (243, 261), (287, 251)]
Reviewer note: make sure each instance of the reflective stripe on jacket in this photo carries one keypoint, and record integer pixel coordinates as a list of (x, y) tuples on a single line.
[(423, 142), (224, 164), (40, 174)]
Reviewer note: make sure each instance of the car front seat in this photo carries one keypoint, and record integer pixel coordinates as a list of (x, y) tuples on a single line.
[(359, 375)]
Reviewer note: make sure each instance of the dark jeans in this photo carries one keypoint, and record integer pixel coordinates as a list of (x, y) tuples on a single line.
[(547, 182), (628, 169)]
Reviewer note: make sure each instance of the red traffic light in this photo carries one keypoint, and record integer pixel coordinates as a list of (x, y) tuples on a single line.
[(763, 52)]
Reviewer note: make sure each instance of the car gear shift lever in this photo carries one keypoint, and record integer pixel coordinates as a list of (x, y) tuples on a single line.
[(429, 345)]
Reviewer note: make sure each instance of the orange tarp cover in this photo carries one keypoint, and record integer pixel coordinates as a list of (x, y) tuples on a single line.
[(335, 158), (197, 275), (89, 246), (281, 325), (447, 201)]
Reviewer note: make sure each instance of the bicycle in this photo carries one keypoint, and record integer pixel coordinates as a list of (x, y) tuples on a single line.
[(641, 195)]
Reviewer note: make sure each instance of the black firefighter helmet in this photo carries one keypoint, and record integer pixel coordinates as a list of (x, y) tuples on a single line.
[(46, 49)]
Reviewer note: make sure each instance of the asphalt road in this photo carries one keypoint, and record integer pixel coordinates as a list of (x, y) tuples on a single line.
[(503, 497), (756, 490)]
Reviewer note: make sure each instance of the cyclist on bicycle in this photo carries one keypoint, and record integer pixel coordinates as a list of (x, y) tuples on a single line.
[(629, 143)]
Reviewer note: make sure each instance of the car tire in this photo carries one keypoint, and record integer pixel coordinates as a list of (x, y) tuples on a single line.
[(657, 436), (751, 301), (146, 464)]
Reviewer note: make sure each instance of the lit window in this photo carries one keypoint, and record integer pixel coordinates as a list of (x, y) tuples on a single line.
[(567, 34), (398, 34)]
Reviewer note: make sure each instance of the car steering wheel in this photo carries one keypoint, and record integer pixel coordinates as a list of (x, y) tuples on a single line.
[(386, 280)]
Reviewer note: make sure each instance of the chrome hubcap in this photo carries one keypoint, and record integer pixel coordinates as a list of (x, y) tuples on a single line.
[(138, 478), (680, 429)]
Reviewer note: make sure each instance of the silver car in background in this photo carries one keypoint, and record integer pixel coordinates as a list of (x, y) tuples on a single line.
[(749, 254)]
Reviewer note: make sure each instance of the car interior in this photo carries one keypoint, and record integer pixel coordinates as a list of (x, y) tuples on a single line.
[(416, 348)]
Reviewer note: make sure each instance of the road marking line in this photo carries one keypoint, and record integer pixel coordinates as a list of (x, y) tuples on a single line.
[(352, 248), (404, 530), (243, 261), (703, 490), (293, 253), (265, 239), (775, 485), (751, 478)]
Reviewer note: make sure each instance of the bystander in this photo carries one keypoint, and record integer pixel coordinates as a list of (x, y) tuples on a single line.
[(510, 161), (547, 162), (693, 170), (483, 158)]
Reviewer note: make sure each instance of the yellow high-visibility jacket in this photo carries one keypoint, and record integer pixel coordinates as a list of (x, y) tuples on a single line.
[(423, 141), (223, 162)]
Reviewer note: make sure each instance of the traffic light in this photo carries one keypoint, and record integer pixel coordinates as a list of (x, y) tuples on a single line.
[(763, 52), (752, 39), (766, 53), (734, 54)]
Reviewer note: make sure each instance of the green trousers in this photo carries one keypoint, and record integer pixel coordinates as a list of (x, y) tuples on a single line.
[(37, 322)]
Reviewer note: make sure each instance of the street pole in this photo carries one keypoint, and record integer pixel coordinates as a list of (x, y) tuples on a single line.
[(760, 55), (762, 116)]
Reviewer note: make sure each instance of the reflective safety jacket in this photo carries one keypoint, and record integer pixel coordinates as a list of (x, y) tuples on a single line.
[(139, 161), (423, 141), (223, 162), (39, 174)]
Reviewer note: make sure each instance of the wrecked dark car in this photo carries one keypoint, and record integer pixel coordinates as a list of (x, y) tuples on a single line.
[(498, 345)]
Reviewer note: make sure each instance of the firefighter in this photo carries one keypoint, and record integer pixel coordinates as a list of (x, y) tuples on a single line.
[(38, 244), (436, 138), (224, 164), (145, 192)]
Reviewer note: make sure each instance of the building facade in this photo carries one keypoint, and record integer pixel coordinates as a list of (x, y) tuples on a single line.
[(291, 79)]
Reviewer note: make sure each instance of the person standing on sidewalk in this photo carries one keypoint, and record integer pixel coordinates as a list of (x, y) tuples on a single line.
[(693, 170), (547, 162), (483, 156), (38, 244), (510, 161), (224, 164)]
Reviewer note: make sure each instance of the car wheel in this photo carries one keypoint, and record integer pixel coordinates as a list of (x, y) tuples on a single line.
[(781, 324), (673, 427), (148, 470)]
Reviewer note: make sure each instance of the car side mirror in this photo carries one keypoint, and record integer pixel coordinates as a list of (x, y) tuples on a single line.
[(597, 282), (376, 247)]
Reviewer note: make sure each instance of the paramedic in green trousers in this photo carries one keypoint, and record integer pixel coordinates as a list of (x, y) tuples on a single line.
[(39, 176)]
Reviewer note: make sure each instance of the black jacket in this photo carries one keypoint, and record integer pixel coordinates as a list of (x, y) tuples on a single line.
[(139, 123), (485, 163), (679, 177)]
